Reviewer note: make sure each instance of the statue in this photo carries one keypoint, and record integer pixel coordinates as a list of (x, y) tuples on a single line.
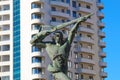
[(58, 49)]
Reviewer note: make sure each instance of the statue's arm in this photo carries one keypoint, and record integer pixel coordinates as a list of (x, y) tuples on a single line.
[(37, 39), (72, 32), (75, 27)]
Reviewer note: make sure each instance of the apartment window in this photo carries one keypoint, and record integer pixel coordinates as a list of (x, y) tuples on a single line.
[(76, 55), (53, 8), (34, 49), (34, 5), (79, 5), (54, 19), (36, 70), (5, 27), (5, 78), (91, 78), (74, 4), (89, 56), (36, 16), (90, 67), (82, 77), (36, 26), (88, 6), (5, 68), (6, 7), (76, 66), (68, 1), (69, 74), (69, 64), (62, 1), (63, 10), (79, 14), (63, 20), (74, 14), (81, 65), (5, 58), (36, 59), (76, 76), (68, 12), (5, 47)]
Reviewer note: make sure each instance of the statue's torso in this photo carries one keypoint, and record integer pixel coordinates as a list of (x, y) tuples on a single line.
[(53, 49)]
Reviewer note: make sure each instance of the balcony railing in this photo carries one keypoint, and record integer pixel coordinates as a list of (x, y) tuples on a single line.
[(59, 3)]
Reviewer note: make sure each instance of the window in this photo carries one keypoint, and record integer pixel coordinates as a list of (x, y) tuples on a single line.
[(82, 77), (53, 8), (36, 59), (36, 16), (68, 11), (76, 76), (76, 55), (34, 49), (81, 65), (34, 5), (74, 4), (89, 56), (36, 70), (69, 74), (63, 10), (5, 78), (79, 5), (88, 6), (53, 19), (74, 14), (68, 1), (89, 26), (36, 26), (76, 65), (91, 78), (69, 64)]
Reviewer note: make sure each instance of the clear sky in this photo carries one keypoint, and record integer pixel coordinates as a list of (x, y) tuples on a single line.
[(112, 30)]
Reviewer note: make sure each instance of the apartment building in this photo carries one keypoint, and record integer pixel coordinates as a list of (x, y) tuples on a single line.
[(20, 20)]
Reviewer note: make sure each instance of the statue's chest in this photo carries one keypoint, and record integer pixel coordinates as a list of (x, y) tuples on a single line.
[(54, 49)]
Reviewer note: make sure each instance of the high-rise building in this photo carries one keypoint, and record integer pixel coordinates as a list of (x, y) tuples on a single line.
[(21, 19)]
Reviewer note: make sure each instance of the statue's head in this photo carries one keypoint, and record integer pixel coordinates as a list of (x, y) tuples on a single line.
[(58, 37)]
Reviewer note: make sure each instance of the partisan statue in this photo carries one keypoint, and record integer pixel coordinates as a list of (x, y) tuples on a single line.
[(58, 49)]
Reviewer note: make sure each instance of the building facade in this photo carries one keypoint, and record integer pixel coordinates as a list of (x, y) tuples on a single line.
[(20, 20)]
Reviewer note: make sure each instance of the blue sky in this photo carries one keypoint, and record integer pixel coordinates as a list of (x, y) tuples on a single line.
[(112, 30)]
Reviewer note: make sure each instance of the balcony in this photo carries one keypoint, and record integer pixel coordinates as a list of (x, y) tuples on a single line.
[(101, 25), (102, 54), (101, 34), (87, 30), (38, 76), (39, 21), (54, 23), (84, 39), (87, 1), (38, 1), (103, 64), (37, 10), (85, 71), (86, 50), (82, 9), (84, 60), (102, 44), (103, 74), (59, 3), (100, 5), (100, 15), (61, 14), (38, 64), (39, 54)]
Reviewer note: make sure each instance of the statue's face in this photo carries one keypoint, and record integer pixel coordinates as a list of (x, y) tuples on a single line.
[(57, 37)]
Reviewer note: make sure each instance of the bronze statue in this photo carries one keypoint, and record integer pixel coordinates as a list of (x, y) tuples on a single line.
[(58, 49)]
